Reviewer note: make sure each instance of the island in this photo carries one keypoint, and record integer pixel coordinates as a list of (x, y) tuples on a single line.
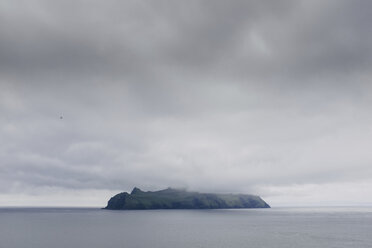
[(181, 199)]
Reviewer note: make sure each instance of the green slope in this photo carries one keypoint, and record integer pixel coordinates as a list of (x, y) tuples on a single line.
[(181, 199)]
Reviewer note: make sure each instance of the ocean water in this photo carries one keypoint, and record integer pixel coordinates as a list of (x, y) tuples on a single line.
[(251, 228)]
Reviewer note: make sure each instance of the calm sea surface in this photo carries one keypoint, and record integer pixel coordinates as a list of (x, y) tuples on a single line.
[(276, 227)]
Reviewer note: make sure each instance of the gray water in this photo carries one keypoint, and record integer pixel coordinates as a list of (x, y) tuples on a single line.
[(91, 228)]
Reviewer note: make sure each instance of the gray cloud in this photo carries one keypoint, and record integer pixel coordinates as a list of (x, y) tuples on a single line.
[(269, 97)]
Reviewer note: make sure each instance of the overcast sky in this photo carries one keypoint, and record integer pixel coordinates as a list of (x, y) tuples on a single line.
[(265, 97)]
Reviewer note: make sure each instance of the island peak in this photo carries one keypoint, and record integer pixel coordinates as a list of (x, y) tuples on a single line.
[(136, 190)]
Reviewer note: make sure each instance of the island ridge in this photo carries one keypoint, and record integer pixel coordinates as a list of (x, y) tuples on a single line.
[(181, 199)]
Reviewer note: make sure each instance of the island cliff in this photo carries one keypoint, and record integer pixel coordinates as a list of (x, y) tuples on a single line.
[(181, 199)]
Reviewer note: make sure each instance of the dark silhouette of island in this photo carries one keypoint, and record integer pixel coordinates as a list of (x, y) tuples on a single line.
[(182, 199)]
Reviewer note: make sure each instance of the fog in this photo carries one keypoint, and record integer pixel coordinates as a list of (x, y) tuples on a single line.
[(265, 97)]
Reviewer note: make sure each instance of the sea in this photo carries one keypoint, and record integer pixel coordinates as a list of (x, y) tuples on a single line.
[(239, 228)]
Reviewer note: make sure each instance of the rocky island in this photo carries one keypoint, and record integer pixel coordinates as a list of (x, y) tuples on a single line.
[(182, 199)]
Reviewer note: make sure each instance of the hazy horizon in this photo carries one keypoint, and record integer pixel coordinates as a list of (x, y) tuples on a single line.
[(271, 98)]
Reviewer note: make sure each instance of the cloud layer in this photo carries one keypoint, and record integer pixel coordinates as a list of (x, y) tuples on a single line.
[(264, 97)]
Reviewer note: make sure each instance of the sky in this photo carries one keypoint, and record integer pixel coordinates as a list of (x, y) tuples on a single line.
[(271, 98)]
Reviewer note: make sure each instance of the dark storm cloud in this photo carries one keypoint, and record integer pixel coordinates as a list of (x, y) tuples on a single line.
[(134, 38), (123, 37), (211, 95)]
